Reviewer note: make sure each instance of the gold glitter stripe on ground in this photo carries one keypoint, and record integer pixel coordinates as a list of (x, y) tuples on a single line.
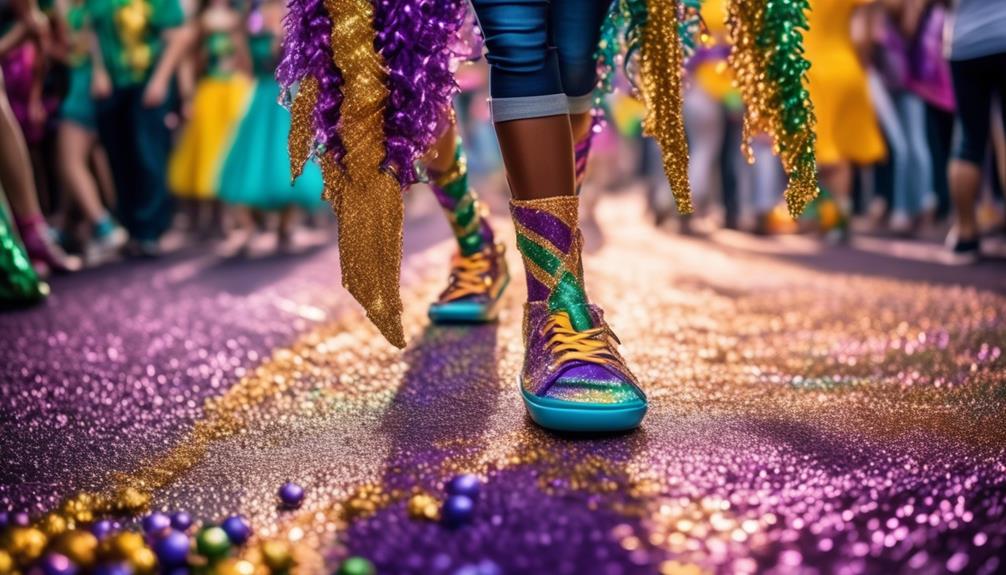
[(367, 199), (302, 125), (660, 75)]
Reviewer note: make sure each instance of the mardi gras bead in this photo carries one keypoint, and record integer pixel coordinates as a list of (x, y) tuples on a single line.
[(120, 546), (237, 529), (156, 523), (6, 563), (113, 569), (458, 510), (57, 564), (212, 543), (143, 561), (424, 506), (81, 547), (357, 566), (291, 495), (277, 556), (181, 521), (465, 484), (25, 544), (172, 549), (102, 529)]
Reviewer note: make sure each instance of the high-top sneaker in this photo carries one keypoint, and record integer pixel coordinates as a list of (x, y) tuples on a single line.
[(573, 377), (478, 271)]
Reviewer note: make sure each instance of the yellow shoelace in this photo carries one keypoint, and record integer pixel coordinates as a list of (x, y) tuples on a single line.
[(468, 276), (592, 345)]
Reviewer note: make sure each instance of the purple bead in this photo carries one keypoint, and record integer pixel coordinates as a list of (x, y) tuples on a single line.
[(172, 550), (113, 569), (181, 521), (102, 529), (155, 523), (237, 529), (56, 564), (466, 484), (458, 510), (4, 519), (291, 494), (20, 519)]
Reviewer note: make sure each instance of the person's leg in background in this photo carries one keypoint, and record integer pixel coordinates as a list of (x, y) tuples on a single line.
[(19, 185), (478, 271), (973, 85), (151, 202), (573, 377), (897, 143), (115, 124), (912, 110), (705, 126)]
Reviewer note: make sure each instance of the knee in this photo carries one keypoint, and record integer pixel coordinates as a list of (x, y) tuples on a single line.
[(518, 51), (579, 74)]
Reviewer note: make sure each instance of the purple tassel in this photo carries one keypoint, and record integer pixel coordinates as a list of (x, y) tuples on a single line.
[(417, 39), (307, 53)]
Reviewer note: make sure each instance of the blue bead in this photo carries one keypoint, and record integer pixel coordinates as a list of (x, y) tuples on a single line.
[(172, 550), (466, 484), (155, 523), (113, 569), (56, 564), (237, 529), (181, 521), (291, 494), (4, 519), (458, 510), (102, 529)]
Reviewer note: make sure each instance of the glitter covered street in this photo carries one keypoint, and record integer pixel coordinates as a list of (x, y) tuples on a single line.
[(838, 413)]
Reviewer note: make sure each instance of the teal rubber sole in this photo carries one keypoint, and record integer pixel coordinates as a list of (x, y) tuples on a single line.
[(467, 312), (582, 417)]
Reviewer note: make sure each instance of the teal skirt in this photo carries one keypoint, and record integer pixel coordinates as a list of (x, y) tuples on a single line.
[(78, 106), (256, 172)]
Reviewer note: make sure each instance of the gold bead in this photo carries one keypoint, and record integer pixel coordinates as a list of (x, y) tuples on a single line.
[(25, 544), (120, 546), (143, 561), (52, 524), (276, 555), (424, 506), (80, 546), (6, 563)]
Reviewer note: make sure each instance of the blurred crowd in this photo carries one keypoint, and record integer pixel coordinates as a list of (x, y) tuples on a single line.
[(125, 120)]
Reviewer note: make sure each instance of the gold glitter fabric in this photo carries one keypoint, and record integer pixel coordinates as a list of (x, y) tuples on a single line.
[(366, 198), (769, 68), (661, 87), (301, 136)]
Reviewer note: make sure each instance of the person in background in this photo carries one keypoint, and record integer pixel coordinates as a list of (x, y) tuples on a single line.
[(83, 164), (847, 130), (256, 172), (978, 68), (221, 98), (23, 23), (141, 43)]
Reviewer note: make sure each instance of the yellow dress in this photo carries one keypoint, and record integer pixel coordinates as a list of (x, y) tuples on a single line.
[(713, 75), (847, 127), (217, 108)]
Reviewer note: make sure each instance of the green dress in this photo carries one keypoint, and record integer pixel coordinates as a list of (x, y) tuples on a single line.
[(78, 106), (256, 172)]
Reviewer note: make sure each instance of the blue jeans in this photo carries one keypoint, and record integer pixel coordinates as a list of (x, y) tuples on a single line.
[(541, 55)]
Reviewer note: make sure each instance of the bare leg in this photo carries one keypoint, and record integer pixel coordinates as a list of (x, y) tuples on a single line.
[(538, 155), (965, 183), (580, 125), (75, 145), (15, 163), (102, 171)]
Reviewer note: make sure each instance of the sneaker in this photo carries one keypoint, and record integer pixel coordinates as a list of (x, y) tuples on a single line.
[(576, 380), (45, 254), (474, 289), (106, 242), (963, 252)]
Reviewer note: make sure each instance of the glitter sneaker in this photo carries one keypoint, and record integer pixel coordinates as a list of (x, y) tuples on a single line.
[(576, 380), (476, 283)]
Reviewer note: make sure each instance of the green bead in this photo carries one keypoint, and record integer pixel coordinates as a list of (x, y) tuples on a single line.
[(357, 566), (212, 543)]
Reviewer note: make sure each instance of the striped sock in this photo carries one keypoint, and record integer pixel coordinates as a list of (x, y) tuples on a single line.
[(461, 204), (549, 241)]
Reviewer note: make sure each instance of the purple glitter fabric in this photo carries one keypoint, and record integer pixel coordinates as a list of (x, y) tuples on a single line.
[(307, 53), (544, 224), (415, 38)]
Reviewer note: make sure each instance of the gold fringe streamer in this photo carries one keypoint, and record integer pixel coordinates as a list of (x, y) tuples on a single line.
[(763, 111), (367, 199), (661, 85), (301, 136)]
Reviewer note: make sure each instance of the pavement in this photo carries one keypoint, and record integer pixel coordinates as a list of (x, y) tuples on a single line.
[(813, 409)]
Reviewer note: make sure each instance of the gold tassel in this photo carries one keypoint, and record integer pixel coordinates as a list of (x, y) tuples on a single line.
[(301, 135), (366, 198), (660, 74)]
